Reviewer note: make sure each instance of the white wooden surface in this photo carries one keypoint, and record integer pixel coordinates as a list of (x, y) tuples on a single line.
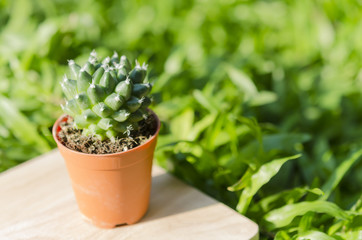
[(37, 202)]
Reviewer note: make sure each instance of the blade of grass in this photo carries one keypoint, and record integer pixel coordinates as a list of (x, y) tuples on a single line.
[(258, 179), (339, 173), (283, 216), (20, 126)]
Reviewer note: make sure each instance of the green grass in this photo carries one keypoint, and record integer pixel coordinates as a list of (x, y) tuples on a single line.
[(261, 101)]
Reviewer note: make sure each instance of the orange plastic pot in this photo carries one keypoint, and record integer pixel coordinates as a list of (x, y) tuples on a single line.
[(110, 189)]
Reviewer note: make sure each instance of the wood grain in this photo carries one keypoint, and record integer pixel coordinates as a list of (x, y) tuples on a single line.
[(37, 202)]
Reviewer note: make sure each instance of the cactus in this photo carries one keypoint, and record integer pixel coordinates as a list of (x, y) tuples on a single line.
[(106, 99)]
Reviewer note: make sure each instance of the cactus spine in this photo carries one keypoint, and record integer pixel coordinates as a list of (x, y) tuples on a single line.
[(106, 99)]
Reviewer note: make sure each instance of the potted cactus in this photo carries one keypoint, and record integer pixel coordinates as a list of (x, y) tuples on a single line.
[(107, 138)]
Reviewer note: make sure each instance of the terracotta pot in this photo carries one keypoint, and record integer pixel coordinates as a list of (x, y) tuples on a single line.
[(110, 189)]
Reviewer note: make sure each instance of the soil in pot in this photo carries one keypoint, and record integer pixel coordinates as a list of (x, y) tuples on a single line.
[(73, 138)]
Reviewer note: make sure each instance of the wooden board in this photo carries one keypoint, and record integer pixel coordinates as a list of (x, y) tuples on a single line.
[(37, 202)]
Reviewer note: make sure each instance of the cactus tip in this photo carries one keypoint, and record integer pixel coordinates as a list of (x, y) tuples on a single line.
[(142, 100), (92, 60), (123, 58), (93, 53), (128, 131), (107, 60), (104, 65), (65, 78), (144, 66), (71, 62), (115, 54), (137, 64), (118, 66)]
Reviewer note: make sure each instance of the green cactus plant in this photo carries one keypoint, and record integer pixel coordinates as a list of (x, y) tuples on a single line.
[(106, 99)]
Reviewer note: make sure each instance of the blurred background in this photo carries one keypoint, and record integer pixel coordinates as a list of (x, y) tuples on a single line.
[(237, 84)]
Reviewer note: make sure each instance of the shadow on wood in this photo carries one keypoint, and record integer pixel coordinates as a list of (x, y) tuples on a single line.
[(170, 196)]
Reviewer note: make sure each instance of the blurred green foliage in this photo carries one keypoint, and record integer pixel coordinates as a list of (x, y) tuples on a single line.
[(242, 87)]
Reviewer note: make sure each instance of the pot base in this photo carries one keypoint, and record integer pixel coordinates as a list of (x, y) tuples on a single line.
[(102, 224), (105, 225)]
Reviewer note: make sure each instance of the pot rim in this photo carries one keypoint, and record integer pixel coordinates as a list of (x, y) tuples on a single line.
[(59, 143)]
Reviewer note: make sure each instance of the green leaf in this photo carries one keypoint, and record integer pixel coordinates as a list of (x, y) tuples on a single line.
[(285, 197), (181, 125), (223, 138), (174, 61), (314, 235), (20, 126), (242, 81), (306, 222), (283, 216), (285, 141), (243, 182), (258, 179), (263, 98), (200, 126), (162, 82), (339, 173), (351, 235), (204, 101), (282, 235), (21, 10), (255, 128)]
